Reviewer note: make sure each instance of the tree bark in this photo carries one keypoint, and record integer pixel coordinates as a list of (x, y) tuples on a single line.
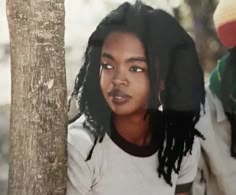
[(38, 103)]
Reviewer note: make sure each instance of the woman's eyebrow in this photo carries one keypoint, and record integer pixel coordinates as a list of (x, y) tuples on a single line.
[(132, 59), (107, 55), (135, 59)]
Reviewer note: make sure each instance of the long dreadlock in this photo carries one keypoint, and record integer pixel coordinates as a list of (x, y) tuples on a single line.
[(174, 126)]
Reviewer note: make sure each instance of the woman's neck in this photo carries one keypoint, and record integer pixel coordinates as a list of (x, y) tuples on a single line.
[(134, 129)]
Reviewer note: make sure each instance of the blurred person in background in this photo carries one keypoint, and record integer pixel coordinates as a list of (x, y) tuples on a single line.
[(217, 167)]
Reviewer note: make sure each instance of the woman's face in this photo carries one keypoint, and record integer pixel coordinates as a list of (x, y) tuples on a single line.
[(124, 74)]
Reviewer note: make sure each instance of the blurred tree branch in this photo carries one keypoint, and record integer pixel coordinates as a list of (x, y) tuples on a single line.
[(209, 48)]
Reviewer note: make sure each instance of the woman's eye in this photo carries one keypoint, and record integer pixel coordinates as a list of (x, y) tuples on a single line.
[(107, 66), (136, 69)]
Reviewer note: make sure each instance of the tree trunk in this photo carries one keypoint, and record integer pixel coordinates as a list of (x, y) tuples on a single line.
[(38, 103)]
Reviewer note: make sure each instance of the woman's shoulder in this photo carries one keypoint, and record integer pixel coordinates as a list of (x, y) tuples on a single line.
[(189, 165), (192, 158), (196, 150), (79, 137)]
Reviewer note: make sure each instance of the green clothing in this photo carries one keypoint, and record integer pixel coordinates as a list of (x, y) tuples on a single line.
[(223, 83)]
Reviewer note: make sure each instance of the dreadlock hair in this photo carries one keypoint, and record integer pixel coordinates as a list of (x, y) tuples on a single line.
[(184, 91), (170, 52)]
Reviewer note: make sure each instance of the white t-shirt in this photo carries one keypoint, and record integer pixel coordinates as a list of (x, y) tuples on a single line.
[(114, 170)]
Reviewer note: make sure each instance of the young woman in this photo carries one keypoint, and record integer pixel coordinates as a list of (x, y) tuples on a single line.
[(137, 59)]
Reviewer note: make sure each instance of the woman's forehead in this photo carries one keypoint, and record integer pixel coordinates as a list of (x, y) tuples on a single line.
[(123, 44)]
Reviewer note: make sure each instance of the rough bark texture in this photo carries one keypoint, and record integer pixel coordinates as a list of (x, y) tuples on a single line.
[(38, 104)]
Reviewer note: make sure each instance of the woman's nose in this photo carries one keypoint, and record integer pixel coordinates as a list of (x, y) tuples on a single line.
[(119, 78)]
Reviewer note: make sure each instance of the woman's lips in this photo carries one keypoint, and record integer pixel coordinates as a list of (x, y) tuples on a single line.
[(118, 96), (119, 100)]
